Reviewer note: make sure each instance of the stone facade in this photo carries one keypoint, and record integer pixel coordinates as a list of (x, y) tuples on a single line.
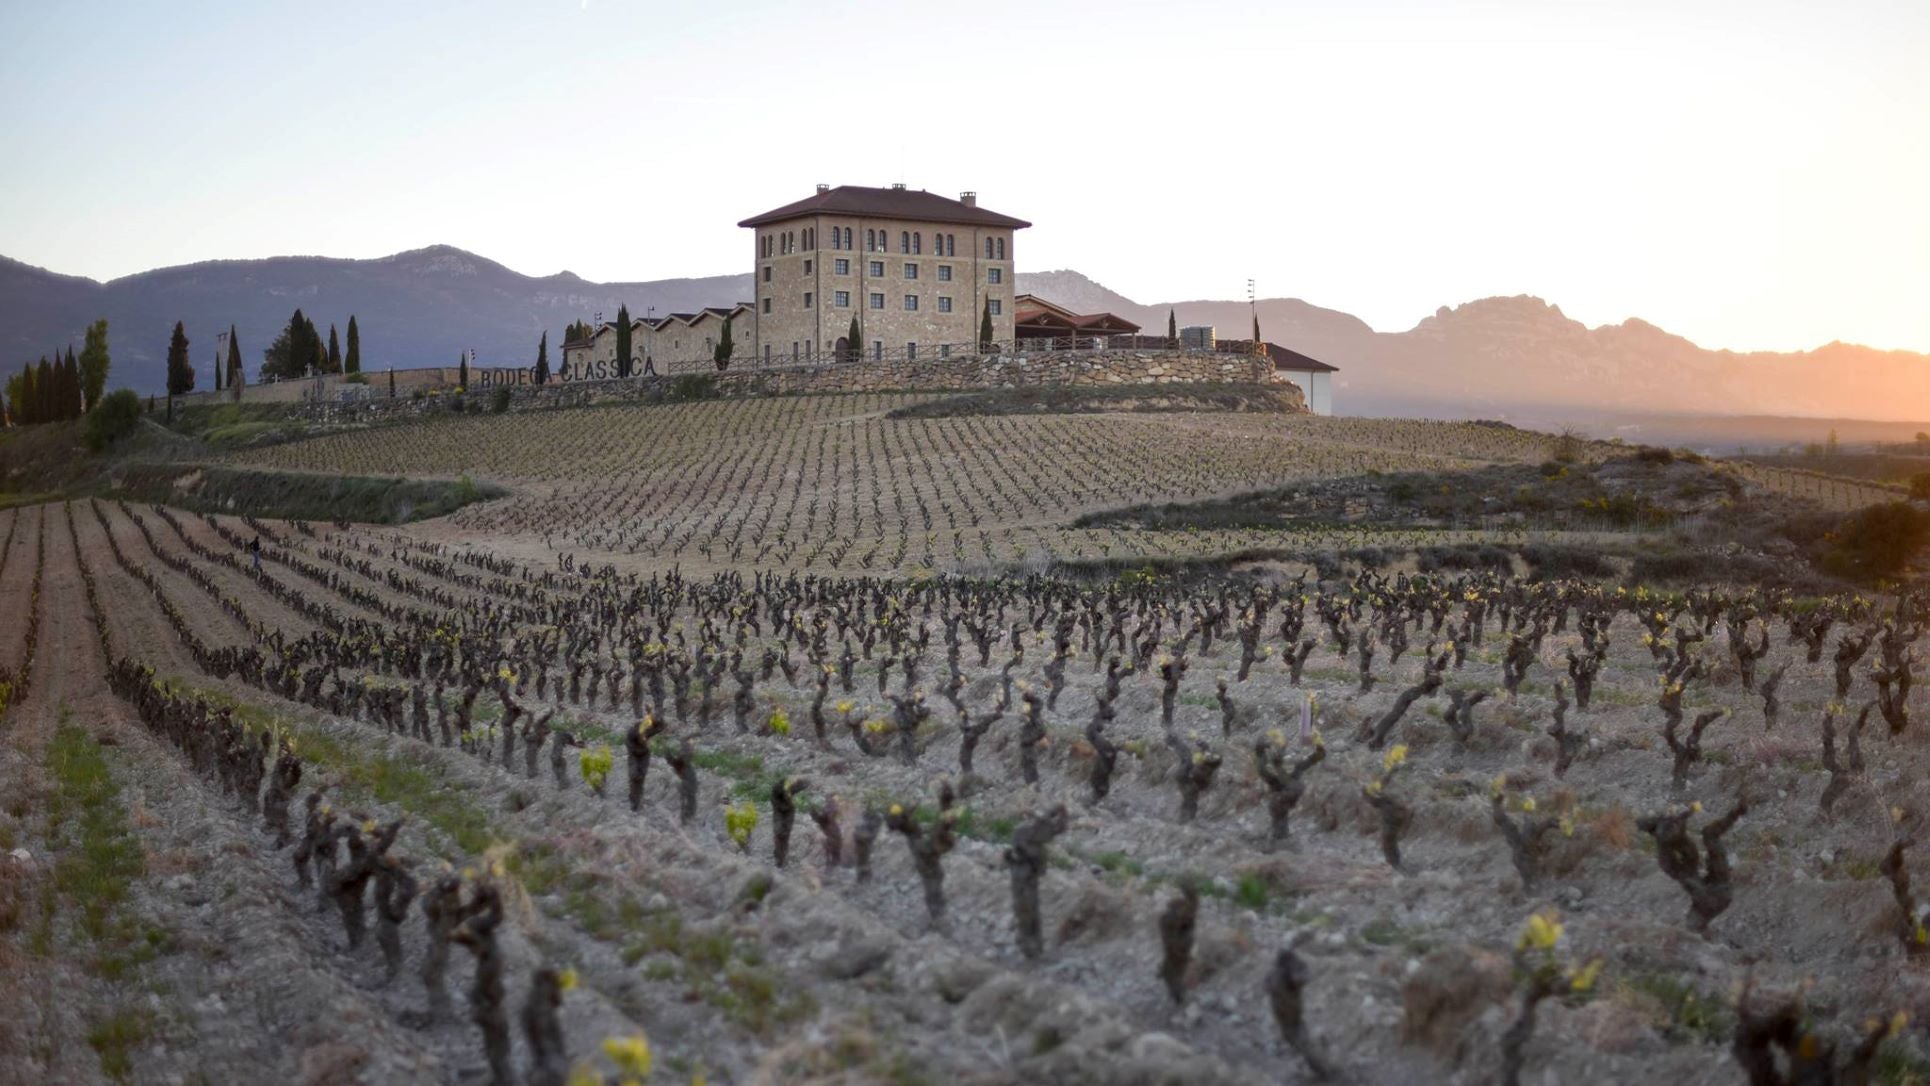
[(916, 270), (679, 343), (806, 298), (1076, 368)]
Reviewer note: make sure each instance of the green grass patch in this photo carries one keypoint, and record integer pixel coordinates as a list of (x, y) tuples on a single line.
[(98, 855), (115, 1039)]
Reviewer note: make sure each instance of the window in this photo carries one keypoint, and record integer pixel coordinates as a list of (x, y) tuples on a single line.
[(847, 237), (944, 304), (878, 350), (911, 271), (807, 267), (1001, 248), (767, 305), (995, 275), (944, 350), (911, 351), (767, 354), (808, 299), (998, 307), (841, 298), (841, 266), (944, 273), (904, 241), (911, 303), (807, 348), (878, 269), (988, 248), (837, 238), (870, 241), (767, 273), (918, 242), (877, 301)]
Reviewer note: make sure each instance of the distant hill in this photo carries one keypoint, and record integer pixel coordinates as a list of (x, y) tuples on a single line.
[(418, 308), (1491, 357)]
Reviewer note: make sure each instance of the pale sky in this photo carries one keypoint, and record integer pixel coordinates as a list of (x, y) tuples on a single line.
[(1747, 174)]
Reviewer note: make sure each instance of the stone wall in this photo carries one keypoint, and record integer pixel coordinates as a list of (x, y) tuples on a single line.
[(1076, 368)]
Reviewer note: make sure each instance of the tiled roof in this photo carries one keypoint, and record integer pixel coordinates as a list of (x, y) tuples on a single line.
[(916, 205)]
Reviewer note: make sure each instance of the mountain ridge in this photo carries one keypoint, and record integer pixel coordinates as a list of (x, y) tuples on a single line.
[(1484, 357)]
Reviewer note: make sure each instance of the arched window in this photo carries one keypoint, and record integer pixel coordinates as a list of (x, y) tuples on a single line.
[(1001, 248), (918, 242), (951, 244), (847, 237), (988, 248), (904, 241), (870, 241)]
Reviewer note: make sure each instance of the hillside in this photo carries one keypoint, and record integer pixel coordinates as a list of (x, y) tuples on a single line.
[(1490, 357)]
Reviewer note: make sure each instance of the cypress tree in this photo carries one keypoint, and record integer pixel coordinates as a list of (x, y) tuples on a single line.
[(543, 359), (334, 352), (352, 361), (724, 346), (94, 363), (70, 386), (391, 382), (219, 365), (462, 372), (1172, 329), (180, 369), (1258, 348), (235, 377), (985, 328), (44, 392), (855, 342), (623, 341)]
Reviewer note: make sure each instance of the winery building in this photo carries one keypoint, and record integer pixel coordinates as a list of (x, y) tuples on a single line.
[(920, 273)]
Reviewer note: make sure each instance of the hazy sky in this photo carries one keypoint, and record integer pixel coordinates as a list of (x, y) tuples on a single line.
[(1746, 174)]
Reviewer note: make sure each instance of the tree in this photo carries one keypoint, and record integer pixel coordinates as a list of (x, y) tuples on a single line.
[(70, 387), (577, 332), (623, 341), (352, 361), (985, 328), (1172, 328), (44, 392), (219, 365), (1829, 446), (236, 378), (94, 363), (334, 353), (293, 351), (542, 360), (462, 372), (113, 418), (724, 346), (180, 369), (1257, 348), (855, 344), (391, 382), (20, 396)]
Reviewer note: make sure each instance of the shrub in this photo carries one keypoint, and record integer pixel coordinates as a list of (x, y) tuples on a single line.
[(1920, 486), (499, 403), (1877, 542), (692, 386), (356, 379), (113, 418)]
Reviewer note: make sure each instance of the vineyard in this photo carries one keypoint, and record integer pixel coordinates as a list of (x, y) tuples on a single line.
[(755, 741), (835, 484)]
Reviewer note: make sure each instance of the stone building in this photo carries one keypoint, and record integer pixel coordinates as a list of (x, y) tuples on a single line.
[(681, 342), (918, 271)]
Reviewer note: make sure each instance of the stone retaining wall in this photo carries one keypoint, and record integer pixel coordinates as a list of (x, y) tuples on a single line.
[(1077, 368)]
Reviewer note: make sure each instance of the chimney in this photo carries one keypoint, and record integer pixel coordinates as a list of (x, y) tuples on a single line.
[(969, 199), (823, 188), (897, 186)]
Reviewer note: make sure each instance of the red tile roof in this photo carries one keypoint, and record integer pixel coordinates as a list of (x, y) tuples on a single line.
[(916, 205)]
